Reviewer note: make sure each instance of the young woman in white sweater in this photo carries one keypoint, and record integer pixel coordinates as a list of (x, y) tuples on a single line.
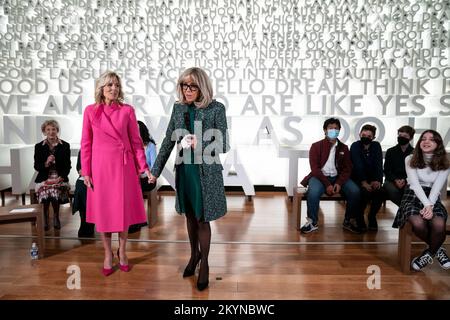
[(427, 170)]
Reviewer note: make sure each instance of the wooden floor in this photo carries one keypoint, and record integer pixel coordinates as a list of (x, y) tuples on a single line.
[(256, 254)]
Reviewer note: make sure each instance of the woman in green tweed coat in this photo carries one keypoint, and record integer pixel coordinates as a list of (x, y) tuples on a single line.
[(198, 128)]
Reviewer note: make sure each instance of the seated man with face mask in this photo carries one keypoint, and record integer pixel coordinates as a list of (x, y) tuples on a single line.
[(367, 159), (394, 165), (331, 167)]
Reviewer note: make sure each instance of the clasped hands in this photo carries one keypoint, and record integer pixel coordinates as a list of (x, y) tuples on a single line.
[(372, 186), (151, 179), (333, 189), (427, 212), (50, 160)]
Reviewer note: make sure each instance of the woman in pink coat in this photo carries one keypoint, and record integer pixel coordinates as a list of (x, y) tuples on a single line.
[(112, 157)]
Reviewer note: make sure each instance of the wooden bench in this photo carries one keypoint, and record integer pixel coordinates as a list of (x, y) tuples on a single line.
[(2, 192), (405, 239), (35, 217), (300, 194)]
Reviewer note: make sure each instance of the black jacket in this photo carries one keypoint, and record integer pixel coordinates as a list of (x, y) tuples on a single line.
[(369, 166), (62, 160), (394, 162)]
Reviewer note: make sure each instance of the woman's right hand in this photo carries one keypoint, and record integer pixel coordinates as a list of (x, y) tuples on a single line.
[(88, 182), (50, 160)]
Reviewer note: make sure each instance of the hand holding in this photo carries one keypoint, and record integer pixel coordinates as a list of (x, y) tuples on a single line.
[(151, 178)]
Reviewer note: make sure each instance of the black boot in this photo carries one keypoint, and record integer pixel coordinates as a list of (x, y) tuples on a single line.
[(86, 230), (46, 226), (56, 222)]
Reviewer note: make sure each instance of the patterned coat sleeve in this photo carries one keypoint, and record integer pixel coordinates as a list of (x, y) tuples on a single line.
[(166, 147), (221, 124)]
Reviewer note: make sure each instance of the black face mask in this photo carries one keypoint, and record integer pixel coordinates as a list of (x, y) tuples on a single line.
[(365, 141), (402, 141)]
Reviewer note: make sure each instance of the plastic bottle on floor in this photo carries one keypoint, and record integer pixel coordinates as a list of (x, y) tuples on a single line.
[(34, 251)]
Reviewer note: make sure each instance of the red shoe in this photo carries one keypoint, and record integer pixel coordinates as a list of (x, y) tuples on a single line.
[(107, 272), (122, 267)]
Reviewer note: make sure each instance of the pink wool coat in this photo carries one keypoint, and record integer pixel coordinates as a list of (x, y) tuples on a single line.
[(112, 154)]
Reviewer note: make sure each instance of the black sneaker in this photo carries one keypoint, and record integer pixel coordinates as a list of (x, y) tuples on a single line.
[(443, 258), (420, 262), (348, 225), (309, 227)]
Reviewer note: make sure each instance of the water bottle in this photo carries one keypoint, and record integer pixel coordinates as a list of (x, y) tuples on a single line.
[(34, 251)]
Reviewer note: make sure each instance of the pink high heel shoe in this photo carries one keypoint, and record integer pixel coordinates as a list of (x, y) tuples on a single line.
[(122, 267), (108, 271)]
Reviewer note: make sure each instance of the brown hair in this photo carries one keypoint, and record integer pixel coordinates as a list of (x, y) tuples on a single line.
[(407, 129), (369, 127), (439, 160)]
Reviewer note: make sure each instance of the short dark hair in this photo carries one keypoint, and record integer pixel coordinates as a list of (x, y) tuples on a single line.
[(331, 121), (145, 135), (369, 127), (407, 129)]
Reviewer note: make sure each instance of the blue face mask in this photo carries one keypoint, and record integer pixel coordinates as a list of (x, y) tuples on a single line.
[(332, 133)]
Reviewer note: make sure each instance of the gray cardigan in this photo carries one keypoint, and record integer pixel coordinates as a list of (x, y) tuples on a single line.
[(213, 142)]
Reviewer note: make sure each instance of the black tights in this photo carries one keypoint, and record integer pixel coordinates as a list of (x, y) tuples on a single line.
[(432, 232), (200, 240), (55, 205)]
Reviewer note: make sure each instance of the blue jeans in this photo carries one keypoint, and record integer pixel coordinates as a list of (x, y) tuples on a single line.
[(350, 191)]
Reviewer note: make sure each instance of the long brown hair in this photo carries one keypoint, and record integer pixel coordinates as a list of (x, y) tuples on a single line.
[(439, 160)]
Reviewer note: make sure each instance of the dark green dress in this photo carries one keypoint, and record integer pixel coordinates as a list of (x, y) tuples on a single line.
[(189, 186)]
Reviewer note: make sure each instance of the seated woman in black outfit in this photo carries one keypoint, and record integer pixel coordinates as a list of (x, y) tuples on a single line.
[(52, 161)]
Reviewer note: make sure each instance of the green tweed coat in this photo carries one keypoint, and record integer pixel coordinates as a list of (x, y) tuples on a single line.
[(213, 142)]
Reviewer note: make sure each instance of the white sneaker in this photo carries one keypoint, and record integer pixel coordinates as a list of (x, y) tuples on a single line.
[(420, 262), (443, 258), (309, 227)]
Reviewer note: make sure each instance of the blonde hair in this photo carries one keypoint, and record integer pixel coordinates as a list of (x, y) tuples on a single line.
[(201, 79), (52, 123), (104, 79)]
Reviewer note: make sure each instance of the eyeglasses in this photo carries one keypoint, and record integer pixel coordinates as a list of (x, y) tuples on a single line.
[(191, 87)]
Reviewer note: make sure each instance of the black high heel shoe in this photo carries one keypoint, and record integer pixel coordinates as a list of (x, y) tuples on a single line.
[(203, 285), (190, 271)]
